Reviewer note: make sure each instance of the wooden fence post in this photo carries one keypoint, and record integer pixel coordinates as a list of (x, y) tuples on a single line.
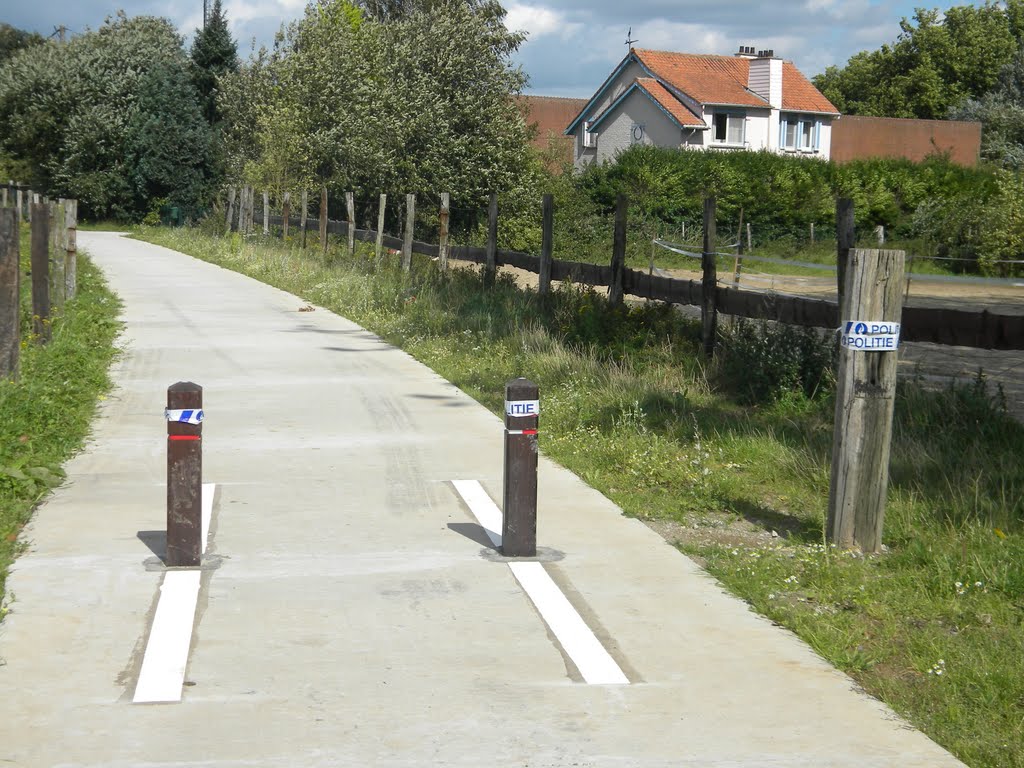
[(303, 215), (410, 223), (17, 207), (10, 289), (737, 267), (615, 289), (286, 212), (547, 242), (40, 272), (379, 248), (3, 204), (880, 234), (812, 233), (845, 234), (57, 253), (491, 266), (240, 228), (70, 248), (266, 212), (350, 209), (443, 217), (865, 398), (708, 306), (250, 222), (323, 219), (750, 245), (230, 211)]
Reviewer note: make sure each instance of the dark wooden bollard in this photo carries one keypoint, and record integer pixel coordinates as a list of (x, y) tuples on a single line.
[(184, 474), (519, 525)]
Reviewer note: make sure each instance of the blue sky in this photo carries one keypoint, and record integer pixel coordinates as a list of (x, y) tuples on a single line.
[(572, 45)]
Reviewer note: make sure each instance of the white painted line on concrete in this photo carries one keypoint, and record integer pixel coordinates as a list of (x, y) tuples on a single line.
[(163, 666), (594, 663), (578, 641), (483, 508), (170, 637)]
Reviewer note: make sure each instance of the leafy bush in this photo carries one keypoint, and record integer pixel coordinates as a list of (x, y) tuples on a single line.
[(761, 361)]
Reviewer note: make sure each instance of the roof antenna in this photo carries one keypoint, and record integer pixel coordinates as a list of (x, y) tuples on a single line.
[(629, 39)]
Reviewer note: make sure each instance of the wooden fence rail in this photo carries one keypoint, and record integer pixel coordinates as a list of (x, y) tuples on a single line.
[(951, 327)]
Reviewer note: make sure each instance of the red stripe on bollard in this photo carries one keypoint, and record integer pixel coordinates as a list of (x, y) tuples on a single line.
[(184, 437), (184, 478), (519, 523)]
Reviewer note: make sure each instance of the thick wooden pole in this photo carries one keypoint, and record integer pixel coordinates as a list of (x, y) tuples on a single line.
[(547, 243), (57, 254), (266, 212), (708, 307), (865, 398), (615, 290), (231, 211), (491, 266), (40, 272), (323, 219), (304, 215), (71, 248), (286, 212), (845, 233), (10, 302), (350, 209), (442, 251), (379, 247), (410, 226)]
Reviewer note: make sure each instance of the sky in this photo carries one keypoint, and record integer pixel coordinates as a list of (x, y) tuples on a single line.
[(572, 46)]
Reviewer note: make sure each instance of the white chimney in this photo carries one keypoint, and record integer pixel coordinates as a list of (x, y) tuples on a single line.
[(766, 78)]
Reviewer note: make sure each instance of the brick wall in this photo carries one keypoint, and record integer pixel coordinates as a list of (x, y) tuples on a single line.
[(858, 138)]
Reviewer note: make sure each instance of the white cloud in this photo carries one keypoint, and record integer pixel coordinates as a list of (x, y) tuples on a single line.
[(539, 21)]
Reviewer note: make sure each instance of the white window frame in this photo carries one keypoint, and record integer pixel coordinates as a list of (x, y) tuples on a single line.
[(801, 123), (589, 138), (730, 115)]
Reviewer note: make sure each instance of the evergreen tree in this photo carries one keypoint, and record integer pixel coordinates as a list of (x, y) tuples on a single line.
[(214, 54)]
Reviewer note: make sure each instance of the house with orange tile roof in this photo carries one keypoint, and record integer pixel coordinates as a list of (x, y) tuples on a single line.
[(695, 101)]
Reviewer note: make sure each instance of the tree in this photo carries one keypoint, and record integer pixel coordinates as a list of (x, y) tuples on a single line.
[(13, 39), (936, 63), (214, 54), (1001, 113)]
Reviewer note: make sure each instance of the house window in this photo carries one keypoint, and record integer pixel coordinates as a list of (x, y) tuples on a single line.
[(589, 139), (729, 127), (800, 133)]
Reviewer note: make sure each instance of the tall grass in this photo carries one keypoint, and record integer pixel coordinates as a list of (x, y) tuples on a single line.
[(738, 476)]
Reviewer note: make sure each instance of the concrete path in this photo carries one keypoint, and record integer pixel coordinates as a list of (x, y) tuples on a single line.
[(359, 616)]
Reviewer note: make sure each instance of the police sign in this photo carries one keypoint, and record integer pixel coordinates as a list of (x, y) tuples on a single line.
[(867, 336), (522, 407)]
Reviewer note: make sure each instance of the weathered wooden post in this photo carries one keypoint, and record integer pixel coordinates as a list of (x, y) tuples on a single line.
[(304, 215), (266, 213), (812, 233), (845, 235), (57, 254), (71, 248), (18, 205), (10, 287), (443, 216), (379, 245), (547, 244), (865, 398), (231, 211), (519, 523), (750, 238), (241, 210), (410, 226), (880, 234), (286, 212), (615, 289), (491, 265), (350, 209), (40, 240), (708, 305), (323, 219), (184, 474), (3, 203), (737, 266)]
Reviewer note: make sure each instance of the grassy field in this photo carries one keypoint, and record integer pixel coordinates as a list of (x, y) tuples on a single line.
[(45, 414), (730, 461)]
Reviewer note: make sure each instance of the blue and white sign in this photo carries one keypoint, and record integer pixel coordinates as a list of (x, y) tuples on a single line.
[(868, 336), (522, 407), (185, 416)]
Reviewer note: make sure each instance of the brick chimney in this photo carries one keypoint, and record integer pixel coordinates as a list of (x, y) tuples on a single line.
[(766, 77)]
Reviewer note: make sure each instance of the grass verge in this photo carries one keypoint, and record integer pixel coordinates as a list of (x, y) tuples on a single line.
[(45, 414), (736, 475)]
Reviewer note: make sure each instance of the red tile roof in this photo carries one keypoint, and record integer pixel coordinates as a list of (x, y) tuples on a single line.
[(551, 115), (668, 102), (713, 79)]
